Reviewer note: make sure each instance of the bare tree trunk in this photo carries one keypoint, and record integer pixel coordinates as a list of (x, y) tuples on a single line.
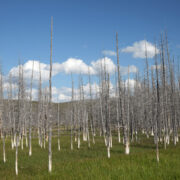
[(58, 130), (31, 112), (157, 113), (50, 99)]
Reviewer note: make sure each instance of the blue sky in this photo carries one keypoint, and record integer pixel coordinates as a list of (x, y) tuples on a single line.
[(82, 30)]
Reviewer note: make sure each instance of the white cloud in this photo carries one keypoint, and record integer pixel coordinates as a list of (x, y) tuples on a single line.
[(109, 53), (60, 94), (6, 86), (63, 97), (94, 89), (131, 83), (64, 94), (73, 65), (54, 90), (138, 49), (27, 70), (104, 62), (77, 66), (34, 93)]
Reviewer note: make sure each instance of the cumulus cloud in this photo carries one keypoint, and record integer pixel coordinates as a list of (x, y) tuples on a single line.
[(78, 66), (27, 70), (65, 92), (139, 49), (62, 97), (34, 93), (73, 65), (109, 53), (131, 83), (54, 90), (104, 62), (6, 86), (62, 94), (94, 89)]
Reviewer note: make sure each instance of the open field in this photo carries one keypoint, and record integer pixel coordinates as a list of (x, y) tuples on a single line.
[(92, 163), (90, 90)]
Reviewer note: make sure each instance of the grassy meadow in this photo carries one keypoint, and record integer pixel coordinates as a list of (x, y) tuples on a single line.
[(92, 163)]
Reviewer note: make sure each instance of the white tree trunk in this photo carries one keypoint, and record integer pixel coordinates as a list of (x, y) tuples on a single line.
[(16, 159), (127, 149), (4, 150)]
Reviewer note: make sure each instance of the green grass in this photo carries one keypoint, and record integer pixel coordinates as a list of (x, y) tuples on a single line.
[(92, 163)]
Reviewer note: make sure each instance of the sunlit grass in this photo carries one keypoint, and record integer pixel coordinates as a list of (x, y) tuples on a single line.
[(92, 163)]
